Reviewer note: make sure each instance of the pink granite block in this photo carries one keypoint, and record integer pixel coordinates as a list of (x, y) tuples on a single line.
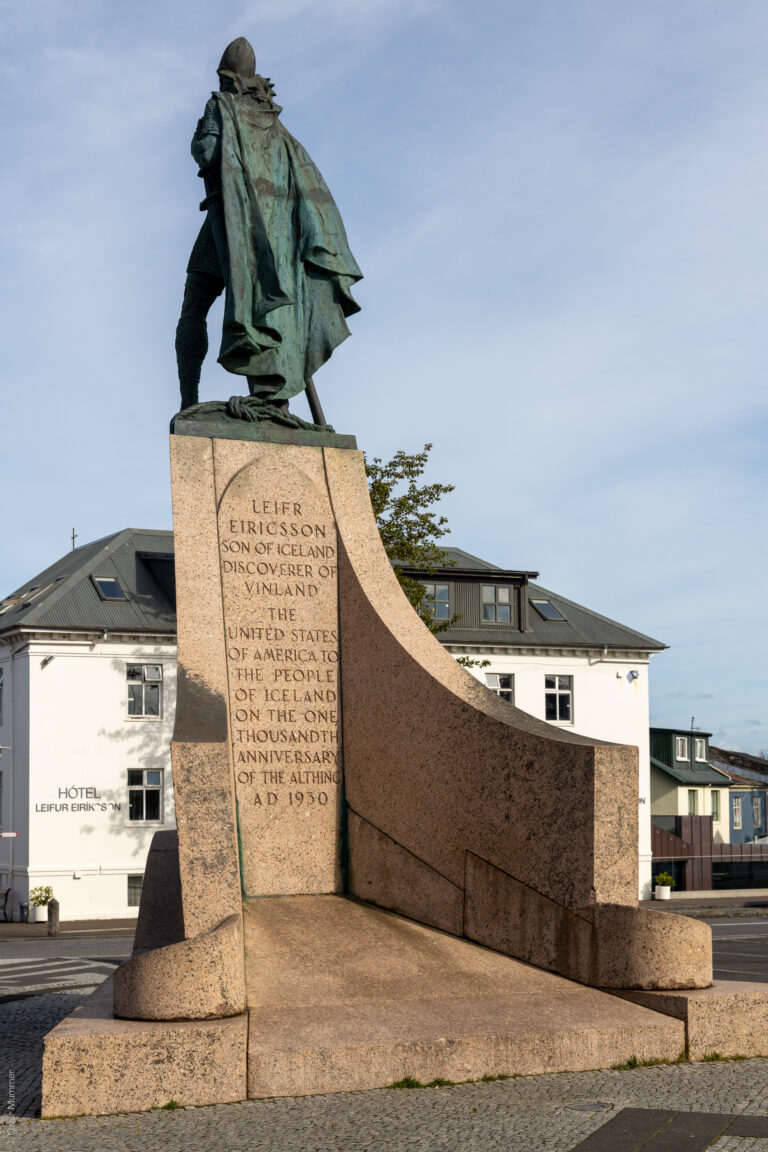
[(383, 872), (729, 1018), (95, 1065), (198, 979), (345, 996), (447, 772)]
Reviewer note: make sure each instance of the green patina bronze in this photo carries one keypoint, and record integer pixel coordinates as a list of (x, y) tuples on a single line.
[(274, 242)]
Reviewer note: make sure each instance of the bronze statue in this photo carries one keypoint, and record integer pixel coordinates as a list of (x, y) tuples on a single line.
[(272, 239)]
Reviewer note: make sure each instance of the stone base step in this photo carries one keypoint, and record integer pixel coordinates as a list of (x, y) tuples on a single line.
[(344, 996), (728, 1019)]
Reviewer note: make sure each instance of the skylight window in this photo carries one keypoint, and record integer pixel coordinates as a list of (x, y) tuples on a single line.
[(547, 610), (38, 590), (109, 588)]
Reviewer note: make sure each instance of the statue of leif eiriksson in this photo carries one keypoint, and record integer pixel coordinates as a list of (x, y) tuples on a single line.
[(273, 241)]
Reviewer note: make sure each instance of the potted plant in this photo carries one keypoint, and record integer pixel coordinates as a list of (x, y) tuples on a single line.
[(664, 885), (39, 898)]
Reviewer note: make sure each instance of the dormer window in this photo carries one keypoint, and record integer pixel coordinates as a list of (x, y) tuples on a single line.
[(438, 601), (497, 603), (681, 747), (700, 750)]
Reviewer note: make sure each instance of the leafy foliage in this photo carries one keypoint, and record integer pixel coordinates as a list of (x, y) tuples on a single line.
[(408, 525)]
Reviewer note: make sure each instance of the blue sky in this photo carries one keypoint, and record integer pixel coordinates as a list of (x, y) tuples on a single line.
[(559, 208)]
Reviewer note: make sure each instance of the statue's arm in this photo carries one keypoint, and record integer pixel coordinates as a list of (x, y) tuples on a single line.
[(206, 142)]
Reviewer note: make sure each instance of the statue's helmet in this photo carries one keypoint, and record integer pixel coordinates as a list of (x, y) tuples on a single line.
[(239, 57)]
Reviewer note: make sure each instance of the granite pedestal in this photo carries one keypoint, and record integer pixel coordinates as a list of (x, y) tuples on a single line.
[(327, 752)]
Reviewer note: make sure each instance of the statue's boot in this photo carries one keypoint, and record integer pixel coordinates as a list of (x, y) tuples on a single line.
[(264, 388)]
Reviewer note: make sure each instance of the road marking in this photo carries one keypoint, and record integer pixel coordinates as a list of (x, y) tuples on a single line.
[(98, 931), (742, 936), (741, 972), (718, 920), (750, 955)]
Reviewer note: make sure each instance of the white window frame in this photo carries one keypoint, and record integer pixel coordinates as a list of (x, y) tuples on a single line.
[(700, 746), (757, 812), (560, 691), (736, 810), (493, 681), (2, 670), (2, 798), (693, 801), (146, 679), (144, 787), (681, 747), (715, 804)]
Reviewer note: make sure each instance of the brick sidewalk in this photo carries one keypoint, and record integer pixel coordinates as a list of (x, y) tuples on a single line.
[(17, 931)]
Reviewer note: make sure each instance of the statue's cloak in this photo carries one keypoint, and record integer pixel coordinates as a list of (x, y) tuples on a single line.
[(287, 264)]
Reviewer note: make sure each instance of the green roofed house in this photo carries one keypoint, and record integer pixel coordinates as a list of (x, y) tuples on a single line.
[(684, 783), (87, 695), (708, 813)]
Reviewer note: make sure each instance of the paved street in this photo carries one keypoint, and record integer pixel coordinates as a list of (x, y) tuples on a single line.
[(33, 975), (740, 949)]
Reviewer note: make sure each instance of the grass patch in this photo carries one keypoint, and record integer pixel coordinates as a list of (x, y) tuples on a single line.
[(633, 1062), (411, 1082)]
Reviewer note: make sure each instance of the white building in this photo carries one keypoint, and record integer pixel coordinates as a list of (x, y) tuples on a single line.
[(87, 694)]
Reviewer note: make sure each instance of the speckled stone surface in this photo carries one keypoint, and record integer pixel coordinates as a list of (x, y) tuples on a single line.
[(465, 785), (383, 872), (280, 571), (344, 996), (606, 945), (730, 1018), (161, 917), (96, 1065), (202, 770), (278, 554), (197, 979)]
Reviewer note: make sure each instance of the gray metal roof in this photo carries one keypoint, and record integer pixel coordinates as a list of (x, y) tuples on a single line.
[(458, 558), (701, 775), (64, 598), (752, 767), (581, 628)]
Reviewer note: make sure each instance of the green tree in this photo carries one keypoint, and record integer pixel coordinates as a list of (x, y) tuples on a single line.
[(410, 528), (408, 524)]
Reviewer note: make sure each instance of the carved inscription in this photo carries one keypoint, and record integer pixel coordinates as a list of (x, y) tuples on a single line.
[(279, 583)]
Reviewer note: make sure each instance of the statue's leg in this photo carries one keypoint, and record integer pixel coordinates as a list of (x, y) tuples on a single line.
[(200, 291)]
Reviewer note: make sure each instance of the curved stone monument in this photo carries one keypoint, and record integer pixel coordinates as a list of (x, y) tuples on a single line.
[(356, 815)]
